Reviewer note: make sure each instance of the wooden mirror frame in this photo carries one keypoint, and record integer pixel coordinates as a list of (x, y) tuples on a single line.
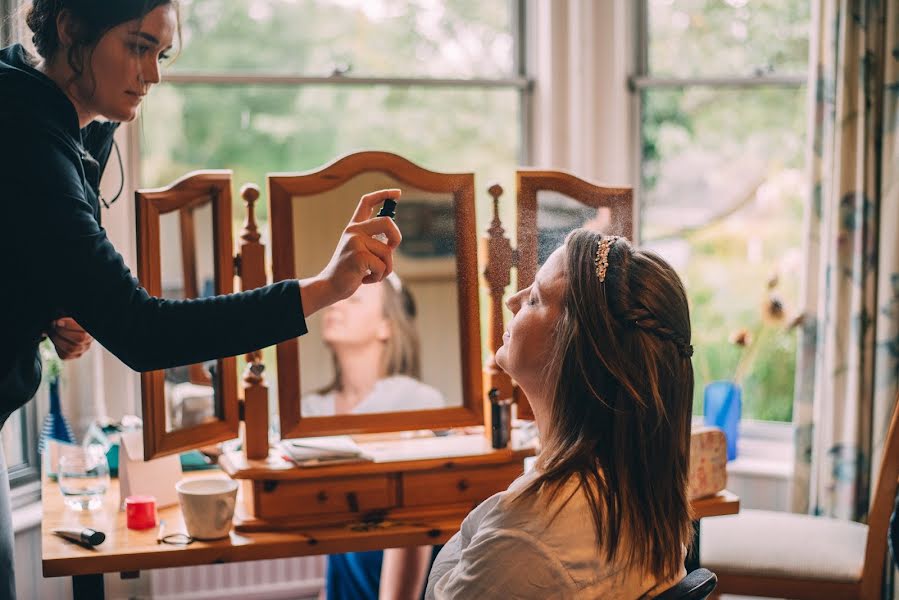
[(529, 182), (282, 188), (183, 195)]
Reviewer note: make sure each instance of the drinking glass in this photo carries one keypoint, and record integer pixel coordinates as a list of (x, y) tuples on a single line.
[(83, 476)]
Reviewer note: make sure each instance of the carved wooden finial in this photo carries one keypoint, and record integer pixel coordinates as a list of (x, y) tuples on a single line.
[(498, 252), (255, 368), (495, 190), (496, 230), (250, 194)]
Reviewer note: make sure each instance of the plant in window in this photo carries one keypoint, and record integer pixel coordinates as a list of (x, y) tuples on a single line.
[(773, 323), (723, 400)]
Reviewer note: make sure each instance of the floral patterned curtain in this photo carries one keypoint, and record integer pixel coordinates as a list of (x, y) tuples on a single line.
[(848, 363)]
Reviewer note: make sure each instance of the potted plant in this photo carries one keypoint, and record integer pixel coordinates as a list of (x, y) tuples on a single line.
[(723, 399)]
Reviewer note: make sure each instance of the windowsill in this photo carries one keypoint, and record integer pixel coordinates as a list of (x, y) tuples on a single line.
[(26, 506), (26, 517), (748, 466)]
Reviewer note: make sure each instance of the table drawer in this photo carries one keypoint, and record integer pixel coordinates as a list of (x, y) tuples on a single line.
[(457, 484), (325, 496)]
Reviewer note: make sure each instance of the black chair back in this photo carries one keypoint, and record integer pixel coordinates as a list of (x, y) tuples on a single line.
[(697, 585)]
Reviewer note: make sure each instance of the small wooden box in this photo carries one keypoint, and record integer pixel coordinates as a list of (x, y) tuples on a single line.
[(708, 462)]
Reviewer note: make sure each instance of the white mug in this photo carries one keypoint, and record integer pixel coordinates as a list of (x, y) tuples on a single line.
[(208, 506)]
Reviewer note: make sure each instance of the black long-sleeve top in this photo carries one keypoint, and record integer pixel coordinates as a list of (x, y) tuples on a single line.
[(56, 260)]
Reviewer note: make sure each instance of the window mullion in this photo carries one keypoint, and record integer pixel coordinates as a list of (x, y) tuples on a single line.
[(647, 82), (295, 80)]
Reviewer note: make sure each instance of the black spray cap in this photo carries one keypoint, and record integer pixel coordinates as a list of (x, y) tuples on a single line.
[(388, 209)]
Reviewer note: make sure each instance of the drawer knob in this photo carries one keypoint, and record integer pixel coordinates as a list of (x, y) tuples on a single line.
[(322, 497), (463, 485)]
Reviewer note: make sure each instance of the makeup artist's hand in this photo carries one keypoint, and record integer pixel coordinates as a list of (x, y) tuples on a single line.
[(358, 257), (70, 340)]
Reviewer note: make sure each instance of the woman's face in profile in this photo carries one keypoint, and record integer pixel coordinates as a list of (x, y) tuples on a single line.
[(358, 319), (529, 335), (125, 64)]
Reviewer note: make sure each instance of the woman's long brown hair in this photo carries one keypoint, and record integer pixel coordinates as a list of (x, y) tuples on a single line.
[(619, 420)]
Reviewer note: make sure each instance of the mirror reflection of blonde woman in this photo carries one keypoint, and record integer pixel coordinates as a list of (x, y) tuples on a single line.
[(375, 350)]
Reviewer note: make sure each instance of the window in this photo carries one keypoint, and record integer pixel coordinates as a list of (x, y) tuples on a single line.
[(722, 93), (264, 86), (289, 85), (19, 438)]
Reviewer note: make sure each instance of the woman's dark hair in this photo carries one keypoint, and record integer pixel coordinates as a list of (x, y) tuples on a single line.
[(619, 415), (91, 20)]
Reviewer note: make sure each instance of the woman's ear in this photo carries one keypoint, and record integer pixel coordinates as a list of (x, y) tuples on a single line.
[(66, 28)]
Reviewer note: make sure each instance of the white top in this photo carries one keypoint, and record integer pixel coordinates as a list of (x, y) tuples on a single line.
[(520, 551), (391, 394)]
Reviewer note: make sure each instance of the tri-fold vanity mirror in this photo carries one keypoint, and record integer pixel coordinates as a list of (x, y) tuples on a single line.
[(416, 334), (403, 355)]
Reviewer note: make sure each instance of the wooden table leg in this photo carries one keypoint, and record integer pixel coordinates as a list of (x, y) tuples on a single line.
[(692, 562), (88, 587)]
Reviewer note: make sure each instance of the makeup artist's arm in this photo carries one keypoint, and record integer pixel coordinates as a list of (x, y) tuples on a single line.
[(358, 258)]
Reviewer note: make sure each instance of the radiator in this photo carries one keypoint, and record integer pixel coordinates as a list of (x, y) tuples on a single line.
[(287, 578)]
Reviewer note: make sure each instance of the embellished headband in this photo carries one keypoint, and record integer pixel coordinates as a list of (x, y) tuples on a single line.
[(602, 256)]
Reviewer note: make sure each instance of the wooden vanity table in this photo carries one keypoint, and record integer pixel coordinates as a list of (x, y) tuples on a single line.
[(128, 552)]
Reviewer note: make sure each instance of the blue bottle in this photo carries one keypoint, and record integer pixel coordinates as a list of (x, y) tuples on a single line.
[(722, 407), (55, 424)]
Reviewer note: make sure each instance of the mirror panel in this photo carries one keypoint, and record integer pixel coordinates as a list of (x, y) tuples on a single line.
[(395, 346), (187, 265), (185, 251), (558, 215), (550, 205)]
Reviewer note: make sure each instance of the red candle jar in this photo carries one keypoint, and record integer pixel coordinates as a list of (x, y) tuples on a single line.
[(140, 512)]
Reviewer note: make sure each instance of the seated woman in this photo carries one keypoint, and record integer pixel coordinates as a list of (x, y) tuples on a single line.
[(600, 343), (375, 349)]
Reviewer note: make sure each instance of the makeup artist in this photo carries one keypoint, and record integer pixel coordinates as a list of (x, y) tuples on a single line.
[(61, 275)]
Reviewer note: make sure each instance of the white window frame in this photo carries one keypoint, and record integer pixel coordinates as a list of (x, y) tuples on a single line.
[(24, 478)]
